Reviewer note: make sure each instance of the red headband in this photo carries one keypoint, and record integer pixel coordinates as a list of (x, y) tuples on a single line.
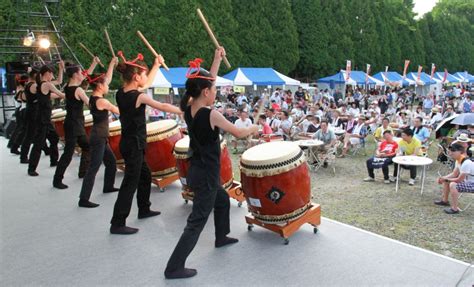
[(92, 80), (19, 80), (196, 65), (133, 63)]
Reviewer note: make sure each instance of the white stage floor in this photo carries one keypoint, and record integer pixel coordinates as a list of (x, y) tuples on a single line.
[(46, 240)]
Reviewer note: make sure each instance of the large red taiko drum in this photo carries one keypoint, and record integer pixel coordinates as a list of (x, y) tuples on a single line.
[(161, 138), (183, 162), (115, 134), (276, 182), (58, 118)]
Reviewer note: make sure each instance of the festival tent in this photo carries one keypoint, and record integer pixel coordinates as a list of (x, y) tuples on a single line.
[(465, 77), (439, 76), (339, 78), (392, 78), (425, 79), (259, 77), (176, 78), (355, 78)]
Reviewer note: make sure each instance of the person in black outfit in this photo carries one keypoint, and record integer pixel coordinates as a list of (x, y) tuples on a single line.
[(74, 131), (132, 103), (45, 91), (31, 111), (99, 147), (20, 128), (203, 177)]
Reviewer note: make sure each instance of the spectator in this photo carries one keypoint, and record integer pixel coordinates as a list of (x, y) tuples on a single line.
[(409, 145), (420, 132), (383, 157), (359, 132), (380, 131), (285, 125), (266, 129), (428, 104), (327, 136), (460, 180), (242, 122)]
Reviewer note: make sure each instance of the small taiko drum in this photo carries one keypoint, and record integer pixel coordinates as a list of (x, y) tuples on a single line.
[(58, 121), (183, 163), (271, 137), (88, 122), (115, 133), (276, 182), (161, 138)]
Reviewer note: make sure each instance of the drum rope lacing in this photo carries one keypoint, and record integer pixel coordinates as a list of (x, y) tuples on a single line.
[(273, 165), (275, 219), (273, 168)]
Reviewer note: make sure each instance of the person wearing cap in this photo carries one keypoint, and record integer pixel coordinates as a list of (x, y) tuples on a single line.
[(359, 132), (436, 117), (449, 112), (464, 140), (460, 180)]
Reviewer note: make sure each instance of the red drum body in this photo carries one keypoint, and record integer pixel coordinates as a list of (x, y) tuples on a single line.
[(58, 122), (276, 182), (115, 134), (161, 139), (183, 163), (272, 138)]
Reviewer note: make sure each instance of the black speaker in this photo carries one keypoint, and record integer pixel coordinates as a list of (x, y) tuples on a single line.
[(16, 67)]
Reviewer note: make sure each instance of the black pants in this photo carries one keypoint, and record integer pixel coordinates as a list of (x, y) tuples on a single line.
[(66, 157), (43, 131), (411, 168), (19, 132), (100, 152), (203, 203), (383, 163), (137, 177)]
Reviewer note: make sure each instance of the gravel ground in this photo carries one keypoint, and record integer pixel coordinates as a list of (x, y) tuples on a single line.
[(407, 215)]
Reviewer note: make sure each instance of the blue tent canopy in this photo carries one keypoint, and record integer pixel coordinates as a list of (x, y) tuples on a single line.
[(355, 77), (339, 78), (391, 76), (424, 78), (449, 79), (465, 77), (176, 78), (259, 77)]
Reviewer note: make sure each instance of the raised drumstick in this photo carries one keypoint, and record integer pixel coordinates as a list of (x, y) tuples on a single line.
[(108, 41), (90, 53), (150, 48), (211, 34)]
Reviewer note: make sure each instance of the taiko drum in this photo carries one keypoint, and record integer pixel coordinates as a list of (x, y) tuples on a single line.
[(115, 134), (58, 118)]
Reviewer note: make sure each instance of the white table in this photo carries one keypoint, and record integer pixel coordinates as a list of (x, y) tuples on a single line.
[(309, 146), (412, 160)]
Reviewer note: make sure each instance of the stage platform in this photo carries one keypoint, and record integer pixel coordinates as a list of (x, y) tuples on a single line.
[(46, 240)]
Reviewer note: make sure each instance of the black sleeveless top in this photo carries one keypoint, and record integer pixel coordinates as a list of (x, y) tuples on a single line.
[(205, 148), (74, 121), (100, 128), (31, 99), (132, 119), (44, 105), (19, 95)]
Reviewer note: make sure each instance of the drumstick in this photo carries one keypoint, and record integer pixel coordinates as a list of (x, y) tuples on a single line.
[(151, 48), (211, 34), (108, 41), (90, 53), (57, 51)]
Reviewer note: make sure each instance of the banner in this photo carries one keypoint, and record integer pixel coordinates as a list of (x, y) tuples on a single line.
[(407, 63), (445, 75), (367, 73), (433, 69), (348, 70), (420, 68), (239, 89), (161, 91)]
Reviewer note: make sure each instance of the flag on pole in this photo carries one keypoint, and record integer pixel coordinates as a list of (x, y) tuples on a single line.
[(407, 63), (348, 70), (433, 69), (420, 68), (445, 75), (367, 73)]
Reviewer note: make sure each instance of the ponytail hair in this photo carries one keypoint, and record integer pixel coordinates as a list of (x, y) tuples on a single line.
[(194, 87), (20, 80), (44, 69), (128, 70), (71, 69)]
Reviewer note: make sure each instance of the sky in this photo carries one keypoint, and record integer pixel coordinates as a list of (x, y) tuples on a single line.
[(424, 6)]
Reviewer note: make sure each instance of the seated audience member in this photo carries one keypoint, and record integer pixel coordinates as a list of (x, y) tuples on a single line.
[(266, 129), (242, 122), (285, 125), (460, 180), (420, 132), (383, 157), (359, 132), (409, 145), (379, 132), (325, 135)]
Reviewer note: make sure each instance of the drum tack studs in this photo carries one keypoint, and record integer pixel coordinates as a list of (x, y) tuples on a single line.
[(286, 241), (239, 204), (250, 227), (315, 230)]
